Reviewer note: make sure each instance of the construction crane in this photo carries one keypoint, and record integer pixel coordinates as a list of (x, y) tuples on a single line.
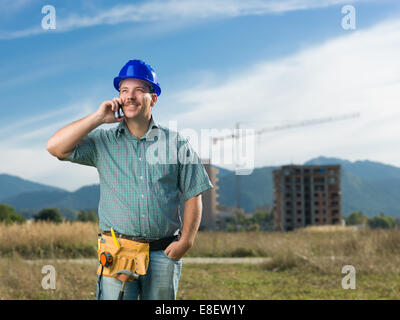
[(303, 123)]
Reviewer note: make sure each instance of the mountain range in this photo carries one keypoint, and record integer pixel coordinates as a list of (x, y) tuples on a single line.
[(367, 186)]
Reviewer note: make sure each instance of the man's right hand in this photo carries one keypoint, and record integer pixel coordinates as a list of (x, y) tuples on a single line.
[(65, 140), (107, 109)]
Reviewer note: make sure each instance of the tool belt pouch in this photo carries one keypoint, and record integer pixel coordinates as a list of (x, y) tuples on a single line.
[(130, 256)]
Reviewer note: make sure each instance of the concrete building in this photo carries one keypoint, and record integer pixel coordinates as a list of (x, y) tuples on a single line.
[(209, 200), (306, 195)]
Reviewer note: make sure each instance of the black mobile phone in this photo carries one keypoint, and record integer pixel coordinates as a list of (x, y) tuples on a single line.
[(120, 112)]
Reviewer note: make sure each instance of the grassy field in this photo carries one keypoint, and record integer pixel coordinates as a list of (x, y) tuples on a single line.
[(304, 264), (19, 280)]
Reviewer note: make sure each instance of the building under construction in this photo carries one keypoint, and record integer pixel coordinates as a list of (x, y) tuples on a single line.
[(306, 195), (209, 200)]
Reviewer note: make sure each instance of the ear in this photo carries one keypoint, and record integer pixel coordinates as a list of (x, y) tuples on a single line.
[(154, 99)]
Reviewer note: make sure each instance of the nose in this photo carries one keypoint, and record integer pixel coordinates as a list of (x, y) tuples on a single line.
[(130, 95)]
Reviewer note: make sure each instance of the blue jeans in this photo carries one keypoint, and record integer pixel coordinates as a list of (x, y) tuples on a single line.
[(159, 283)]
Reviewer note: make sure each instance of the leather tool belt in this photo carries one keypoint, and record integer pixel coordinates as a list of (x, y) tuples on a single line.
[(129, 256)]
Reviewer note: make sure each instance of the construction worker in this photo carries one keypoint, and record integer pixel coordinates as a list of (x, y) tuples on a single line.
[(139, 196)]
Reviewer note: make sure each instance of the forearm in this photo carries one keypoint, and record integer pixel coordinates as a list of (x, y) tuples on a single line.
[(64, 140), (192, 219)]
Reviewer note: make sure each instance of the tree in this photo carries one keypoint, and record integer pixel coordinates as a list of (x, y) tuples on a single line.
[(49, 214), (382, 221), (87, 216), (263, 216), (356, 218), (8, 215), (254, 227), (239, 215)]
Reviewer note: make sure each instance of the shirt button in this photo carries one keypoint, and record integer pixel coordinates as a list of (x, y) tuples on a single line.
[(140, 159), (142, 195), (141, 177)]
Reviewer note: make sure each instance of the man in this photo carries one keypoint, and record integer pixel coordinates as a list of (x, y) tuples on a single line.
[(143, 170)]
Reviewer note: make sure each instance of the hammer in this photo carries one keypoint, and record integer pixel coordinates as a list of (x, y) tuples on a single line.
[(124, 276)]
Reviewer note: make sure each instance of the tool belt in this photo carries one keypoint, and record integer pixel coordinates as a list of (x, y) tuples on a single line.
[(130, 255)]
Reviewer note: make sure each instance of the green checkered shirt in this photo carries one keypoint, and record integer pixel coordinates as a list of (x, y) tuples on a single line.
[(142, 180)]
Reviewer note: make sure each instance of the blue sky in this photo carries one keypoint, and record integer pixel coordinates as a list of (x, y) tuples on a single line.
[(218, 62)]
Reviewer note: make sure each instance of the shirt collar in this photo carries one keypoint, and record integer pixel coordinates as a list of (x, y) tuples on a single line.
[(122, 128)]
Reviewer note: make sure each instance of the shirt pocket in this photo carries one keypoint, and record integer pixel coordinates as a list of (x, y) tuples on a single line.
[(163, 172), (164, 178)]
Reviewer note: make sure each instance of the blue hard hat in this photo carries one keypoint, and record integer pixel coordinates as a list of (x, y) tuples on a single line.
[(138, 69)]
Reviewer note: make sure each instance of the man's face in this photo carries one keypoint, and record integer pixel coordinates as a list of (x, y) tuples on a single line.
[(137, 99)]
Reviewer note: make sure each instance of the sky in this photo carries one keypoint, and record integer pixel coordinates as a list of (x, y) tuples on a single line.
[(256, 64)]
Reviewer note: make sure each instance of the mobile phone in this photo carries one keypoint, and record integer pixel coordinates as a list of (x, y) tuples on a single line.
[(120, 112)]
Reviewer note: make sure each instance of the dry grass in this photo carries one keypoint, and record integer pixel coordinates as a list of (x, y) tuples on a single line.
[(371, 251), (254, 282), (20, 280), (326, 248), (305, 264), (329, 228), (48, 240)]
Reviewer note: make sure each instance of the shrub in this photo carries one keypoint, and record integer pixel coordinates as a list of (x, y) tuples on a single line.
[(356, 218), (382, 221), (8, 215), (49, 214), (87, 216)]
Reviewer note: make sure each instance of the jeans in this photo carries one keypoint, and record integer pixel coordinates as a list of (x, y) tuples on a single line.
[(159, 283)]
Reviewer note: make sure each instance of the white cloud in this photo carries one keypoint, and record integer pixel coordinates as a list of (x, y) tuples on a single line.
[(36, 130), (358, 72), (36, 164), (191, 9), (173, 10), (24, 151)]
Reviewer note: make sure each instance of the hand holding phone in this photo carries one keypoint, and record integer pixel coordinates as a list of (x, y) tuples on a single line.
[(110, 111)]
